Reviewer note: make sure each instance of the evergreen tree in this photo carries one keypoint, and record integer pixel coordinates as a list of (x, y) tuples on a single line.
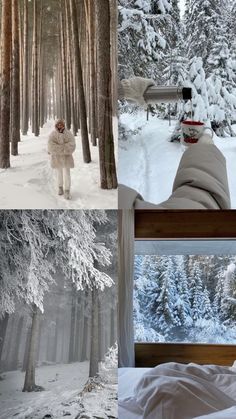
[(196, 292), (165, 318), (141, 37), (199, 106)]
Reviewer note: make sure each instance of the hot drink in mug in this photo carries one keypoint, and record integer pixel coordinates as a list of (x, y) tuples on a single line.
[(192, 131)]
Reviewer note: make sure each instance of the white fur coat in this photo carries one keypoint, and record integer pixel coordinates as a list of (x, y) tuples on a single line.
[(61, 147)]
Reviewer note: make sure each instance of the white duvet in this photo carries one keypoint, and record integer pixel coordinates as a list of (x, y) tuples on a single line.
[(178, 391)]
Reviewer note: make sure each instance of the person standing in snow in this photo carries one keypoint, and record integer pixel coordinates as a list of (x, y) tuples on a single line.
[(61, 145)]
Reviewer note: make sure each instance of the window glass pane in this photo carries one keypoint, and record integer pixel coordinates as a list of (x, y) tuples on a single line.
[(188, 297)]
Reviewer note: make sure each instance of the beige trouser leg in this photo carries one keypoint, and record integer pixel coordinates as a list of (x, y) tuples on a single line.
[(60, 177), (67, 179)]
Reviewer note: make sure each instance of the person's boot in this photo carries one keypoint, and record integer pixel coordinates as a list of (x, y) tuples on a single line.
[(60, 190), (67, 195)]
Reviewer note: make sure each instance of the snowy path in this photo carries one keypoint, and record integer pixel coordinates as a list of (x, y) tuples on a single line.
[(62, 385), (148, 162), (30, 182)]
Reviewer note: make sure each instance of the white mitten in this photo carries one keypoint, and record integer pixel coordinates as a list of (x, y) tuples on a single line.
[(134, 89), (205, 139)]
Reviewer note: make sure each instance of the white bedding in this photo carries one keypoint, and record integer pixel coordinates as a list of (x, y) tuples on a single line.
[(177, 391)]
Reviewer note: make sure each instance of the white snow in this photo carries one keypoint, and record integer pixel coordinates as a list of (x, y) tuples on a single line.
[(31, 183), (148, 161), (62, 385), (64, 394)]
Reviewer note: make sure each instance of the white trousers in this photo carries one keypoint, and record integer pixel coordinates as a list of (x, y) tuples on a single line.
[(63, 178)]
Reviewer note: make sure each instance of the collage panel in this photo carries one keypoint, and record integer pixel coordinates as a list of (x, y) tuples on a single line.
[(58, 314), (176, 330), (177, 110), (58, 131)]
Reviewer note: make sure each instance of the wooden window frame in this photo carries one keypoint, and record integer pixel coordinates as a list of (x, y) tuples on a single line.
[(182, 225)]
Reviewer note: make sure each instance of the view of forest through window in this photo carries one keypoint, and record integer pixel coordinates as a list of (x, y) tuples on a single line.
[(185, 298)]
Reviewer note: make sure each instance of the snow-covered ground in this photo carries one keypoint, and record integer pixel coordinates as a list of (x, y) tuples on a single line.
[(31, 183), (64, 395), (148, 161)]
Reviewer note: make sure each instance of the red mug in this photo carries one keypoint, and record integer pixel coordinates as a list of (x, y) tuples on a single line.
[(192, 131)]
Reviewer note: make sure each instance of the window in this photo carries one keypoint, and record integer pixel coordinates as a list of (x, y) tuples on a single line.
[(185, 291)]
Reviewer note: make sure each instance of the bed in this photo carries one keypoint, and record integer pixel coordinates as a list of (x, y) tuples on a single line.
[(178, 391)]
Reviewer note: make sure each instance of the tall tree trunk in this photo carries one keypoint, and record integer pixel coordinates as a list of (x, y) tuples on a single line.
[(72, 327), (26, 352), (15, 117), (92, 72), (63, 63), (78, 67), (29, 384), (114, 53), (85, 339), (94, 347), (5, 85), (35, 80), (25, 116), (17, 339), (105, 123), (3, 330)]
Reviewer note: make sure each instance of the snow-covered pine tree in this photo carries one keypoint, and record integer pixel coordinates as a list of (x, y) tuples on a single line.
[(206, 308), (146, 290), (141, 31), (198, 108), (164, 318), (200, 28), (196, 292), (228, 304), (221, 85), (182, 304)]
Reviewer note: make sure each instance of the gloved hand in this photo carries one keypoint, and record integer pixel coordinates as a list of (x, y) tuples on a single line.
[(133, 89)]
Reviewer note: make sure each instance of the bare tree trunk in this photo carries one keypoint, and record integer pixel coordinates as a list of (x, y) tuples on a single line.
[(63, 63), (72, 327), (35, 102), (114, 54), (105, 125), (29, 384), (5, 87), (94, 348), (92, 73), (14, 360), (3, 329), (78, 67), (15, 128), (25, 116)]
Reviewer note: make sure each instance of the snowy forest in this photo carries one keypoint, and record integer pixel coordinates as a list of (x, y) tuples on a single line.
[(58, 60), (185, 298), (58, 319), (197, 50), (176, 43)]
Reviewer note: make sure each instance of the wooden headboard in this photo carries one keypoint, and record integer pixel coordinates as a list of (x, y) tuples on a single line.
[(152, 354)]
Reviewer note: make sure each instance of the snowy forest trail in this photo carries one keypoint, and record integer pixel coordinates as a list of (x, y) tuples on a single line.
[(30, 182), (148, 161), (62, 384)]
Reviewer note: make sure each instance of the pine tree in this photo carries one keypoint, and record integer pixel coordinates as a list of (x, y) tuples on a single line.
[(198, 108), (141, 37), (6, 38), (196, 292)]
